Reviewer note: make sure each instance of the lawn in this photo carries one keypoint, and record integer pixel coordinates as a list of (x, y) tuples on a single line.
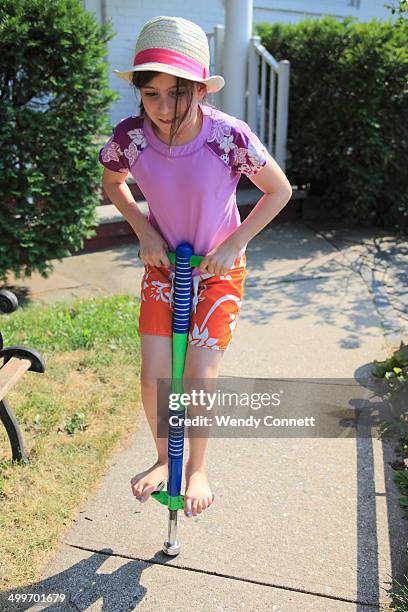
[(74, 417)]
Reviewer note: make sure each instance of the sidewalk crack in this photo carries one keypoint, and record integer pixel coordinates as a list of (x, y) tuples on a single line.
[(154, 561)]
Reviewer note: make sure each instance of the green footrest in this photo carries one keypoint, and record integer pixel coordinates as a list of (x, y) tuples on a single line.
[(173, 502)]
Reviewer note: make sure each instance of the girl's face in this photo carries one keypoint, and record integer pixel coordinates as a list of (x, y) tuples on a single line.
[(159, 101)]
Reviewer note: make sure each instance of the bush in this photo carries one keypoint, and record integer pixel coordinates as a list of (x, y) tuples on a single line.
[(347, 131), (53, 101)]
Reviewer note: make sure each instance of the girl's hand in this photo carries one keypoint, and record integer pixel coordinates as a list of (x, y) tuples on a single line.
[(221, 259), (153, 249)]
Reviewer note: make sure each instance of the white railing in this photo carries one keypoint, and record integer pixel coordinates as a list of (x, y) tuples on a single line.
[(216, 44), (261, 114), (266, 111)]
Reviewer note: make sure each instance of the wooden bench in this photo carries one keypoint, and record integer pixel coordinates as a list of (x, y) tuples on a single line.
[(17, 361)]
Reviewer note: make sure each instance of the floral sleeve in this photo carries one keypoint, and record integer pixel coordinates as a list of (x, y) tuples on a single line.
[(111, 154), (250, 155)]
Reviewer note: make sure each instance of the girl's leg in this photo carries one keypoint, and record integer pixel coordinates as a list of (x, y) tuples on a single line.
[(201, 363), (156, 363)]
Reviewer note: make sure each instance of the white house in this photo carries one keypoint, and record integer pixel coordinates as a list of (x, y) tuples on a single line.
[(129, 16)]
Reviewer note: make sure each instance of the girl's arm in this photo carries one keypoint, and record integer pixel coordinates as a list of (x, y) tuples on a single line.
[(120, 195), (152, 245), (277, 193)]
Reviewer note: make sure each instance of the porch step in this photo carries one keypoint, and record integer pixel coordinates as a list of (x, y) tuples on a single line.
[(113, 229)]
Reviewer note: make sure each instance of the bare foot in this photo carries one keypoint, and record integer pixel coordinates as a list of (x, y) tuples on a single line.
[(146, 482), (198, 494)]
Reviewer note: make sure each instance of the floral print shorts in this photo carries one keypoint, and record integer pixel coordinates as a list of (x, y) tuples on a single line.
[(214, 310)]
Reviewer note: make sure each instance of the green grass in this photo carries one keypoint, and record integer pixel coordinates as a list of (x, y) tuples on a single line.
[(401, 596), (84, 408), (108, 323), (395, 371)]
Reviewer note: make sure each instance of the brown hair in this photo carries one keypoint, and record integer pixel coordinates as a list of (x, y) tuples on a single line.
[(139, 79)]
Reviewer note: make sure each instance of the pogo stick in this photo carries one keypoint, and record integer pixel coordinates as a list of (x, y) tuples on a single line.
[(184, 260)]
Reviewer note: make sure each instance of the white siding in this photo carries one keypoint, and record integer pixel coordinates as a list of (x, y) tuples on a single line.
[(129, 16), (290, 11), (94, 6)]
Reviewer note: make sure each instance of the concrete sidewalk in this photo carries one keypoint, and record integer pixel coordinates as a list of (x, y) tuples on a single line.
[(298, 523)]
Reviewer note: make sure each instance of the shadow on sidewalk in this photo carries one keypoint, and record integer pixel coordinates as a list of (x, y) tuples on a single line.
[(84, 583)]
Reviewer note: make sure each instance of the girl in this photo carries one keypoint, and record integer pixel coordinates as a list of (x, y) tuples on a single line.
[(187, 157)]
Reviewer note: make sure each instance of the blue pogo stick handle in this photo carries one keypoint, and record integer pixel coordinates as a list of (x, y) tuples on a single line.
[(181, 325)]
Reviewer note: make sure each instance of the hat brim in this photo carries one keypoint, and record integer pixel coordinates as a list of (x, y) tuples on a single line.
[(213, 83)]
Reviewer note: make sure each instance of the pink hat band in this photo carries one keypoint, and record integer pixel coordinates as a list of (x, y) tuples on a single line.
[(171, 58), (174, 46)]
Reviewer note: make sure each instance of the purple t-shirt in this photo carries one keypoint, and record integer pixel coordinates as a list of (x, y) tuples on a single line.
[(191, 194)]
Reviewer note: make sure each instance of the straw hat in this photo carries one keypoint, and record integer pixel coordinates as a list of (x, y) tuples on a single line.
[(175, 46)]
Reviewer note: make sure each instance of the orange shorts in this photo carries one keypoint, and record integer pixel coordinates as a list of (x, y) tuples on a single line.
[(214, 309)]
